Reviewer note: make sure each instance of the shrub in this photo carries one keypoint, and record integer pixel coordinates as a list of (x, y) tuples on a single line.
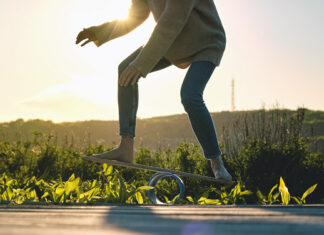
[(258, 165), (261, 163)]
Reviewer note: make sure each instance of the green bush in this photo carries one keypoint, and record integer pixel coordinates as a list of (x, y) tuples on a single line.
[(261, 163), (258, 166), (43, 159)]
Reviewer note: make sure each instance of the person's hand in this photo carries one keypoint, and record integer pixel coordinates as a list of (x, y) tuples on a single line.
[(85, 34), (131, 73)]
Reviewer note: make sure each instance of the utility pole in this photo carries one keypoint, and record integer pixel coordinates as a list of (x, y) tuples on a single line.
[(233, 97)]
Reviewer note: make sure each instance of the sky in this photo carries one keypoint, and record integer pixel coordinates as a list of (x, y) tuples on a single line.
[(275, 54)]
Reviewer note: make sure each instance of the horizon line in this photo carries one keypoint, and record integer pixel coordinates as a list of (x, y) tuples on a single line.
[(162, 116)]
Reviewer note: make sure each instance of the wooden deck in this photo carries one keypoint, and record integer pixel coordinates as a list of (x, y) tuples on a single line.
[(148, 219)]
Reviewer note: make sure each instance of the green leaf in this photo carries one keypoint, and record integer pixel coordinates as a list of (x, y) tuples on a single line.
[(190, 199), (285, 195), (212, 202), (175, 198), (261, 197), (271, 192), (59, 192), (68, 188), (9, 182), (246, 192), (109, 170), (236, 190), (297, 200), (72, 186), (276, 196), (93, 183), (19, 191), (202, 199), (31, 195), (19, 200), (224, 194), (72, 177), (10, 194), (45, 195), (104, 167), (166, 199), (139, 197), (308, 191), (145, 188)]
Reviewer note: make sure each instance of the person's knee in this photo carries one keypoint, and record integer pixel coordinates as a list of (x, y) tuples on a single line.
[(123, 65), (190, 100)]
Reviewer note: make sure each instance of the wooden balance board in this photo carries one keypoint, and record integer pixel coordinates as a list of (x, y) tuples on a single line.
[(156, 169)]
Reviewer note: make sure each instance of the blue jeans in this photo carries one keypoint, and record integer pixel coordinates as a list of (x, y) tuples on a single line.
[(191, 93)]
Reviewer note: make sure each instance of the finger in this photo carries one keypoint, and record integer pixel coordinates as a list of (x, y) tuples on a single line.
[(124, 76), (81, 36), (80, 40), (129, 77), (135, 79), (85, 43), (121, 78)]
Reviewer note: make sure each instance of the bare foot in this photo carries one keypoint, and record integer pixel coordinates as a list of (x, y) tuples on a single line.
[(219, 169), (119, 154), (124, 153)]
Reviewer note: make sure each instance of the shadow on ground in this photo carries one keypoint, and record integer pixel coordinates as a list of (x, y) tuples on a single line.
[(177, 220)]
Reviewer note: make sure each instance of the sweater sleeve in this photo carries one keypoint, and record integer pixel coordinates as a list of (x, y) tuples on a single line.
[(137, 14), (169, 25)]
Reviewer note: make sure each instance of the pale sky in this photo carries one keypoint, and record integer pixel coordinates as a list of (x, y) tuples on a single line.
[(275, 52)]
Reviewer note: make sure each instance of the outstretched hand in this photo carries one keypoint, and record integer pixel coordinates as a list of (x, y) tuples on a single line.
[(87, 35)]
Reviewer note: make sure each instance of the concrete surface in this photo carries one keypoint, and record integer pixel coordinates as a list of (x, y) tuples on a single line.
[(148, 219)]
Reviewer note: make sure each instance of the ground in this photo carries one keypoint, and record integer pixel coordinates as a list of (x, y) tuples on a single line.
[(147, 219)]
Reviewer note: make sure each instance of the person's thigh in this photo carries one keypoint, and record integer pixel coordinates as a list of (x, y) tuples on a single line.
[(163, 63), (196, 79)]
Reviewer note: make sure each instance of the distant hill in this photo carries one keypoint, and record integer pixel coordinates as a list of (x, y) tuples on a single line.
[(154, 133)]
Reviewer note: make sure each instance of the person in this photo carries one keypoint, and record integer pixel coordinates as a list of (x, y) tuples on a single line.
[(188, 33)]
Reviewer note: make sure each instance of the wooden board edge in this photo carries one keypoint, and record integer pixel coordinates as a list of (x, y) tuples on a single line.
[(155, 169)]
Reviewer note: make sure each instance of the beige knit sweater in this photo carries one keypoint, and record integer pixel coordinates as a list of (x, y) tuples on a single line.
[(186, 31)]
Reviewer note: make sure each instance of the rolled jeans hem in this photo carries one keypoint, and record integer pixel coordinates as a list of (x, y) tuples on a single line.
[(126, 134), (214, 156)]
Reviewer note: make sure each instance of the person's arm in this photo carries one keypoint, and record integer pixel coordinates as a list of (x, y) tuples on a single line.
[(137, 14), (169, 25)]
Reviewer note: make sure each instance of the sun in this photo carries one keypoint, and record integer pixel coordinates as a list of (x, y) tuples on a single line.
[(86, 13)]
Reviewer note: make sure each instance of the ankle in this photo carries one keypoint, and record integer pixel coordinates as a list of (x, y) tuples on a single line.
[(217, 162), (127, 142)]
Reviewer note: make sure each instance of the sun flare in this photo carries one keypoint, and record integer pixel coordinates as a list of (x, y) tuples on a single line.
[(86, 13)]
